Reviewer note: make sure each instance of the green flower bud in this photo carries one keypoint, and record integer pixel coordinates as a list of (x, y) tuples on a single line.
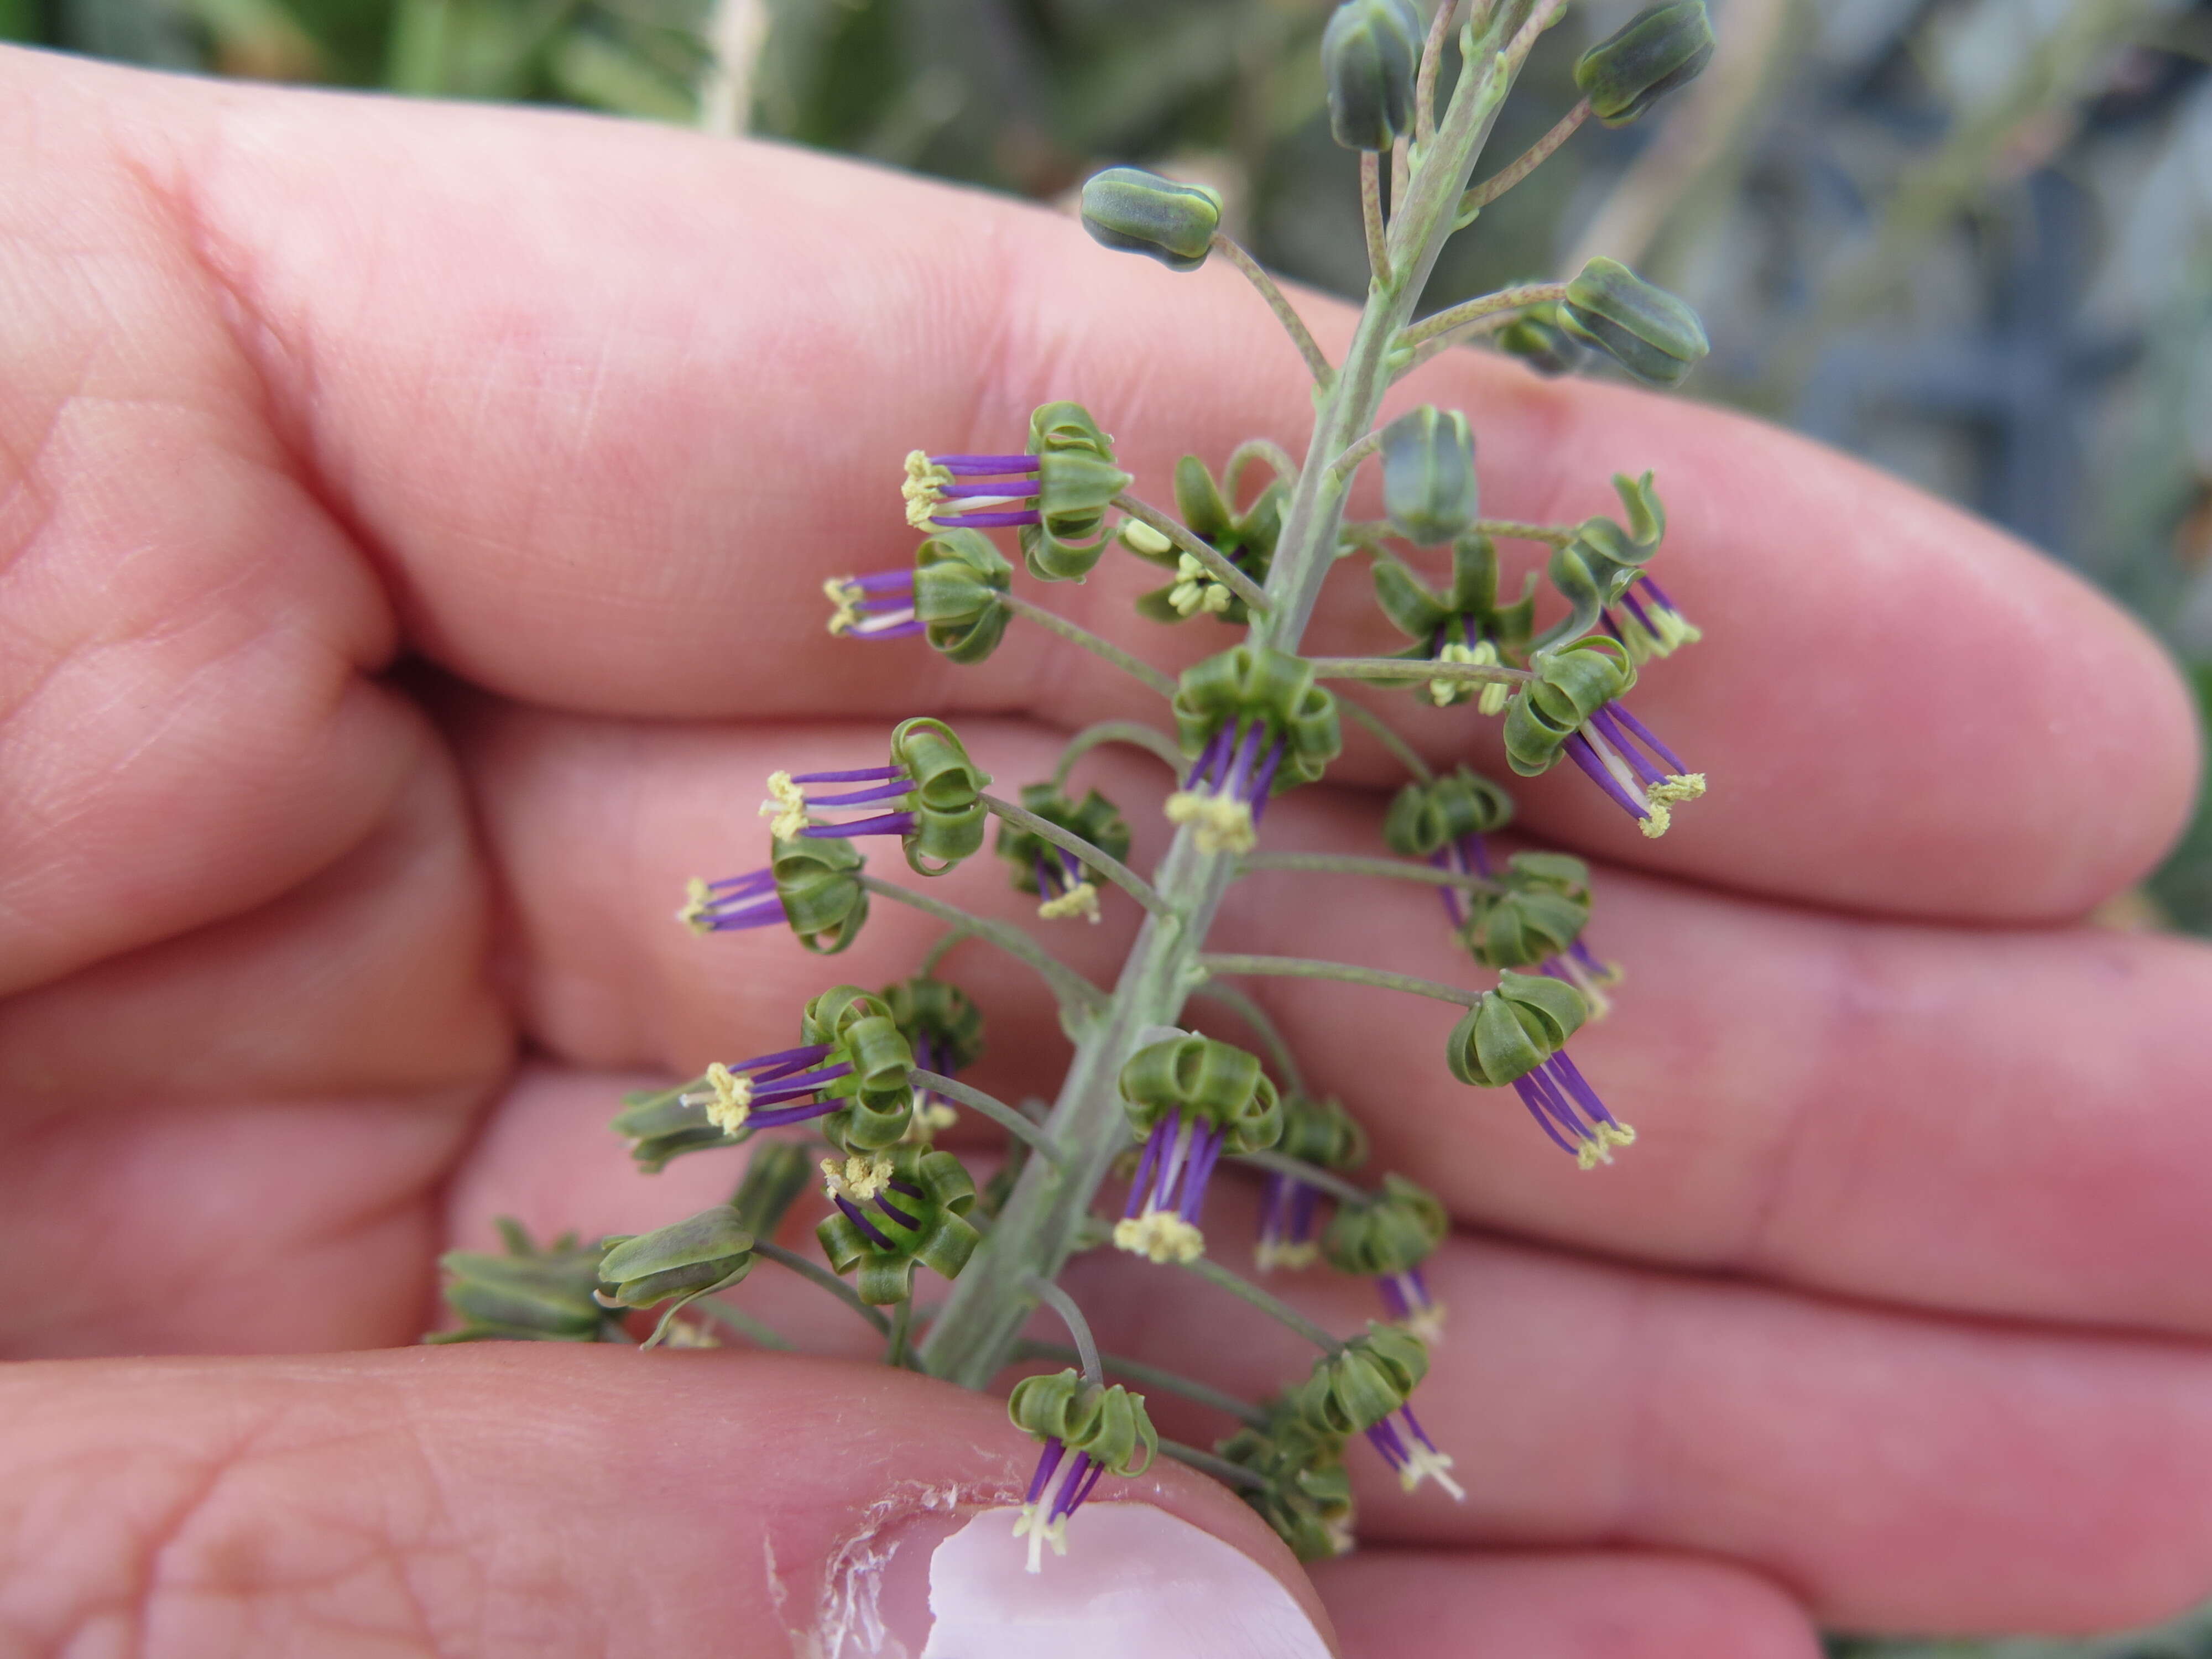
[(527, 1295), (946, 797), (1133, 211), (1057, 876), (877, 1099), (1364, 1380), (1076, 480), (818, 881), (1514, 1029), (940, 1022), (1644, 328), (1425, 818), (1246, 539), (1369, 54), (1570, 685), (896, 1208), (1661, 48), (1429, 491), (1541, 912), (1537, 338), (1109, 1425), (777, 1173), (709, 1251), (957, 579), (1393, 1233), (1321, 1132)]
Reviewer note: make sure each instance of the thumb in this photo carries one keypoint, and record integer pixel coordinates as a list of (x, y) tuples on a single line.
[(541, 1501)]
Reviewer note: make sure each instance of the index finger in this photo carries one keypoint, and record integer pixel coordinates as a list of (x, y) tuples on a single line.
[(606, 404)]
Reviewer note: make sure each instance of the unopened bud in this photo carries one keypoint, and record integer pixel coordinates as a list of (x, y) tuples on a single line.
[(1133, 211)]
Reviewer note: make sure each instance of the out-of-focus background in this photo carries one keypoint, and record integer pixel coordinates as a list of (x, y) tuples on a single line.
[(1970, 240)]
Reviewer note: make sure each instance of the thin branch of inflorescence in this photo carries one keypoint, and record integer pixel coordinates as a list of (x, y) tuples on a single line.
[(1258, 1018), (1370, 215), (1274, 1306), (1433, 58), (1011, 1119), (1066, 983), (1104, 649), (1344, 973), (1293, 325), (1526, 163), (822, 1277), (1342, 469), (1229, 1474), (1215, 562), (1354, 864), (1078, 1328), (1092, 857), (744, 1324), (1408, 671), (1311, 1174), (1152, 742), (1380, 729), (1277, 460), (1481, 309)]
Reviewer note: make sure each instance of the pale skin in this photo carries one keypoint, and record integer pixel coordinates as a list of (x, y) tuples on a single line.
[(412, 523)]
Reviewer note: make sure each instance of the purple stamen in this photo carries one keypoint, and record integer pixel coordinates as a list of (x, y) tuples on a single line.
[(884, 581), (1581, 952), (1054, 1449), (852, 1212), (969, 466), (1238, 781), (806, 1054), (905, 631), (1071, 1489), (1071, 867), (1444, 858), (1172, 1161), (985, 520), (1642, 615), (891, 824), (762, 912), (1612, 623), (1209, 762), (1304, 1202), (1395, 1298), (1206, 1150), (1659, 594), (785, 1116), (1090, 1481), (1579, 751), (1263, 787), (1533, 1101), (790, 1088), (968, 491), (910, 1222), (1580, 1087), (1045, 887), (863, 774), (758, 881), (890, 790), (1651, 738), (1144, 1167), (1603, 723)]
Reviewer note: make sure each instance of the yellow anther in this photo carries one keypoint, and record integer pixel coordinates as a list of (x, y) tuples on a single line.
[(683, 1333), (1427, 1323), (858, 1178), (698, 906), (930, 1116), (1274, 1254), (1423, 1464), (845, 593), (1160, 1236), (1598, 1149), (1080, 900), (1223, 825), (786, 805), (923, 489), (1683, 785), (728, 1099)]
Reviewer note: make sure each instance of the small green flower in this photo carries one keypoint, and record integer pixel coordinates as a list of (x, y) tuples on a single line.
[(1133, 211), (1644, 328), (931, 789), (1189, 1099), (1517, 1034), (1369, 54), (1255, 724), (1049, 870), (811, 885), (945, 1029), (895, 1208), (1307, 1497), (1387, 1240), (1538, 912), (1536, 337), (1659, 49), (1246, 539), (1317, 1131), (1107, 1431), (1362, 1386), (1464, 623), (1056, 494), (530, 1294), (701, 1254)]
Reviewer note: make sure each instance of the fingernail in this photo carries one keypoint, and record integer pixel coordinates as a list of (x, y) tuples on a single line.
[(1135, 1580)]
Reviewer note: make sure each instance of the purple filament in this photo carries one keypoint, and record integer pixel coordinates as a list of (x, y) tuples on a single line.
[(1579, 751), (1658, 594), (985, 520), (890, 790), (882, 581), (805, 1055), (1537, 1109), (1579, 1086), (864, 774), (1603, 723), (911, 1224), (970, 466), (1054, 1449), (1205, 1148), (1651, 738), (1146, 1164), (963, 491), (1636, 611), (891, 823), (852, 1213)]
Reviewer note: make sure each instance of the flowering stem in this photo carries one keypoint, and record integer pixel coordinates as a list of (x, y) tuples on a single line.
[(1153, 1376), (1311, 1174), (822, 1277), (902, 1319), (1403, 752), (1092, 857), (1407, 671), (1229, 1474), (1524, 164), (1091, 642), (1353, 864), (1343, 972), (1274, 1306), (1128, 732), (1009, 1118), (1481, 309), (1292, 324), (1071, 987), (1257, 1018), (1215, 562), (1370, 215), (1087, 1346), (744, 1323)]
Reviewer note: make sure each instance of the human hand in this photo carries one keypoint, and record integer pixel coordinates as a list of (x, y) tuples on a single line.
[(411, 544)]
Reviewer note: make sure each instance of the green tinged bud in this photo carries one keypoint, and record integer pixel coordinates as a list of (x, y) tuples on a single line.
[(1368, 56), (1644, 328), (896, 1208), (778, 1171), (1364, 1380), (1429, 491), (1200, 1078), (1393, 1233), (1133, 211), (1661, 48), (1544, 907), (1425, 818), (1108, 1425), (818, 880), (1321, 1132), (1570, 685), (1537, 338), (1515, 1029), (939, 1020), (527, 1295), (1076, 480), (957, 579), (861, 1034), (709, 1251), (946, 797)]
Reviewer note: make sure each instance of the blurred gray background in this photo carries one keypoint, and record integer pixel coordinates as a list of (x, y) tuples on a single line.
[(1968, 239)]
